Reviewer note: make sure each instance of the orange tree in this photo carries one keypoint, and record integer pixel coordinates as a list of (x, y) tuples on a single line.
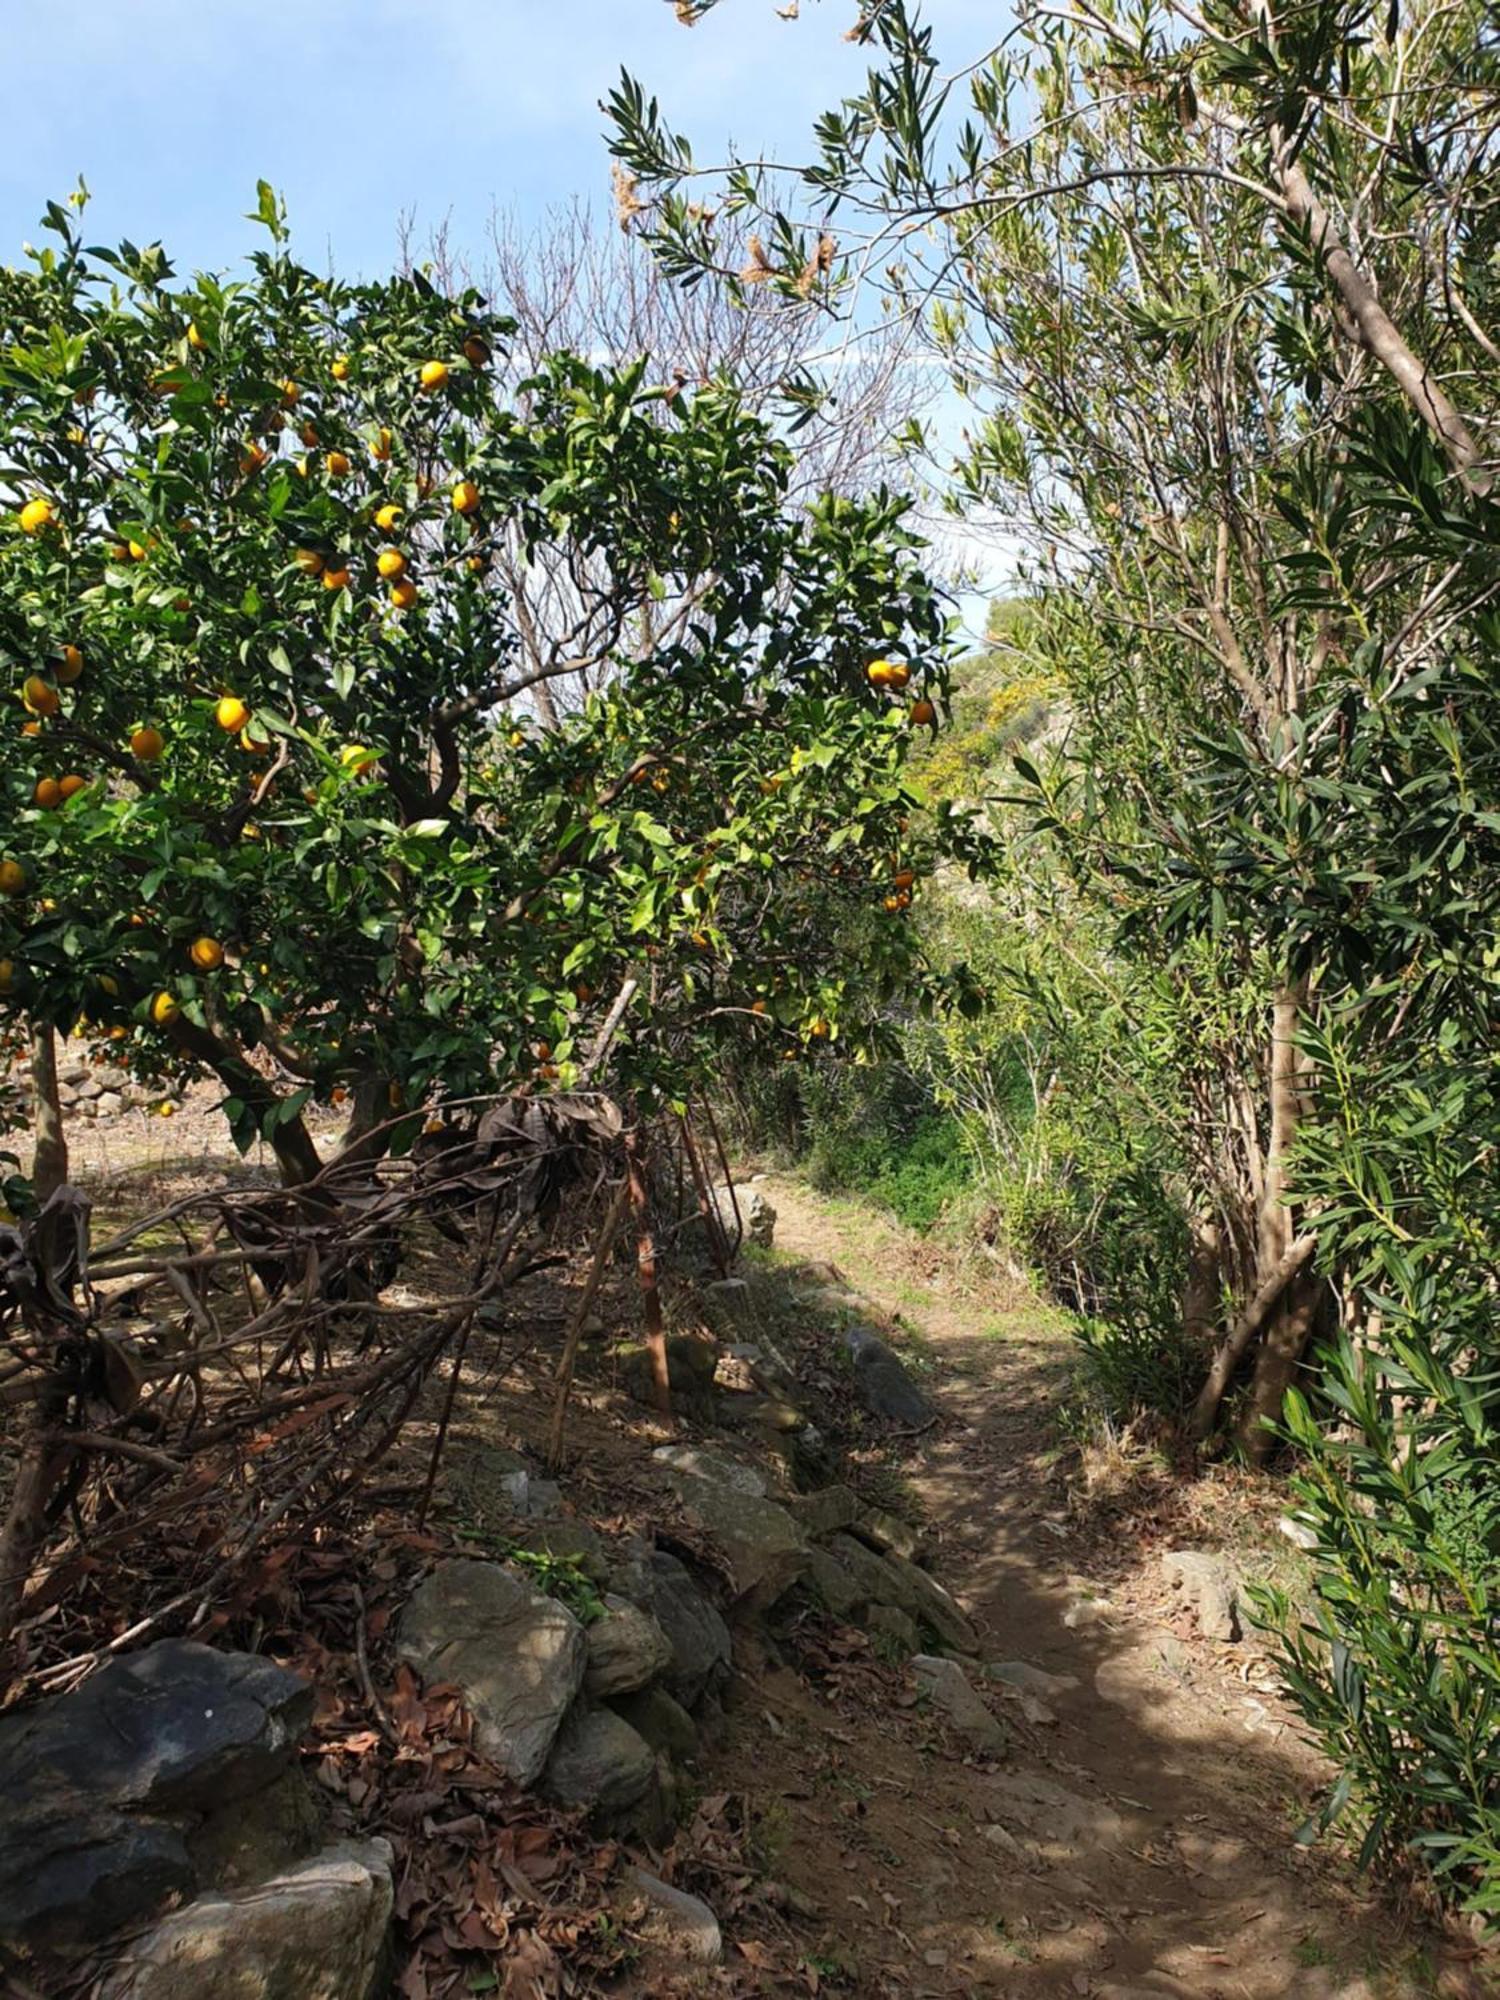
[(275, 805)]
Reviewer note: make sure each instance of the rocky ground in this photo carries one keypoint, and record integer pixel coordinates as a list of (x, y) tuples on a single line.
[(847, 1681)]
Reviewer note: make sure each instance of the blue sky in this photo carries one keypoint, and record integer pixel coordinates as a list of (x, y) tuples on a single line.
[(358, 111)]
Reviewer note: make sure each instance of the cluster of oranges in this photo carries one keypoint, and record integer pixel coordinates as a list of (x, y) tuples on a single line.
[(892, 677)]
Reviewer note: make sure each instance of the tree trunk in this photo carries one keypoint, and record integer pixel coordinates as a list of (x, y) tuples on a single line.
[(1276, 1363), (297, 1157), (363, 1138), (1285, 1336), (50, 1165), (1204, 1282), (645, 1257)]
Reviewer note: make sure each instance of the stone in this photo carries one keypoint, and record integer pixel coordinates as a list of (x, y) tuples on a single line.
[(1298, 1533), (947, 1687), (517, 1656), (757, 1218), (316, 1932), (704, 1463), (698, 1636), (826, 1511), (931, 1605), (660, 1720), (874, 1581), (112, 1077), (890, 1623), (1030, 1679), (74, 1073), (543, 1496), (885, 1532), (108, 1104), (505, 1474), (691, 1364), (178, 1726), (765, 1549), (627, 1649), (70, 1873), (882, 1381), (832, 1585), (599, 1763), (88, 1087), (675, 1919), (765, 1413), (1208, 1585), (568, 1541)]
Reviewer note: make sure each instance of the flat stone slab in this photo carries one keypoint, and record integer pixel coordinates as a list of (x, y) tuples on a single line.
[(826, 1512), (517, 1656), (675, 1919), (765, 1548), (947, 1686), (316, 1932), (1210, 1588)]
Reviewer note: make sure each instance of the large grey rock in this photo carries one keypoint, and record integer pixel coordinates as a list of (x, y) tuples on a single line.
[(881, 1380), (101, 1786), (829, 1581), (673, 1918), (317, 1932), (517, 1656), (600, 1763), (698, 1636), (1210, 1589), (757, 1217), (886, 1532), (764, 1547), (626, 1649), (70, 1873), (895, 1627), (875, 1582), (176, 1726), (931, 1605), (946, 1685), (703, 1462), (661, 1720), (568, 1541), (826, 1511)]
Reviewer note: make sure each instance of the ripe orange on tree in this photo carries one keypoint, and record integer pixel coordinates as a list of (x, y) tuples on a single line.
[(231, 714), (308, 561), (922, 713), (387, 516), (69, 666), (206, 953), (465, 497), (35, 515), (163, 1007), (336, 464), (147, 744), (404, 596), (434, 375), (47, 794), (40, 696), (391, 564), (336, 579)]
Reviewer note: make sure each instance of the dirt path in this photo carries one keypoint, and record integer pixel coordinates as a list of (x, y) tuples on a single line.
[(1139, 1843)]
